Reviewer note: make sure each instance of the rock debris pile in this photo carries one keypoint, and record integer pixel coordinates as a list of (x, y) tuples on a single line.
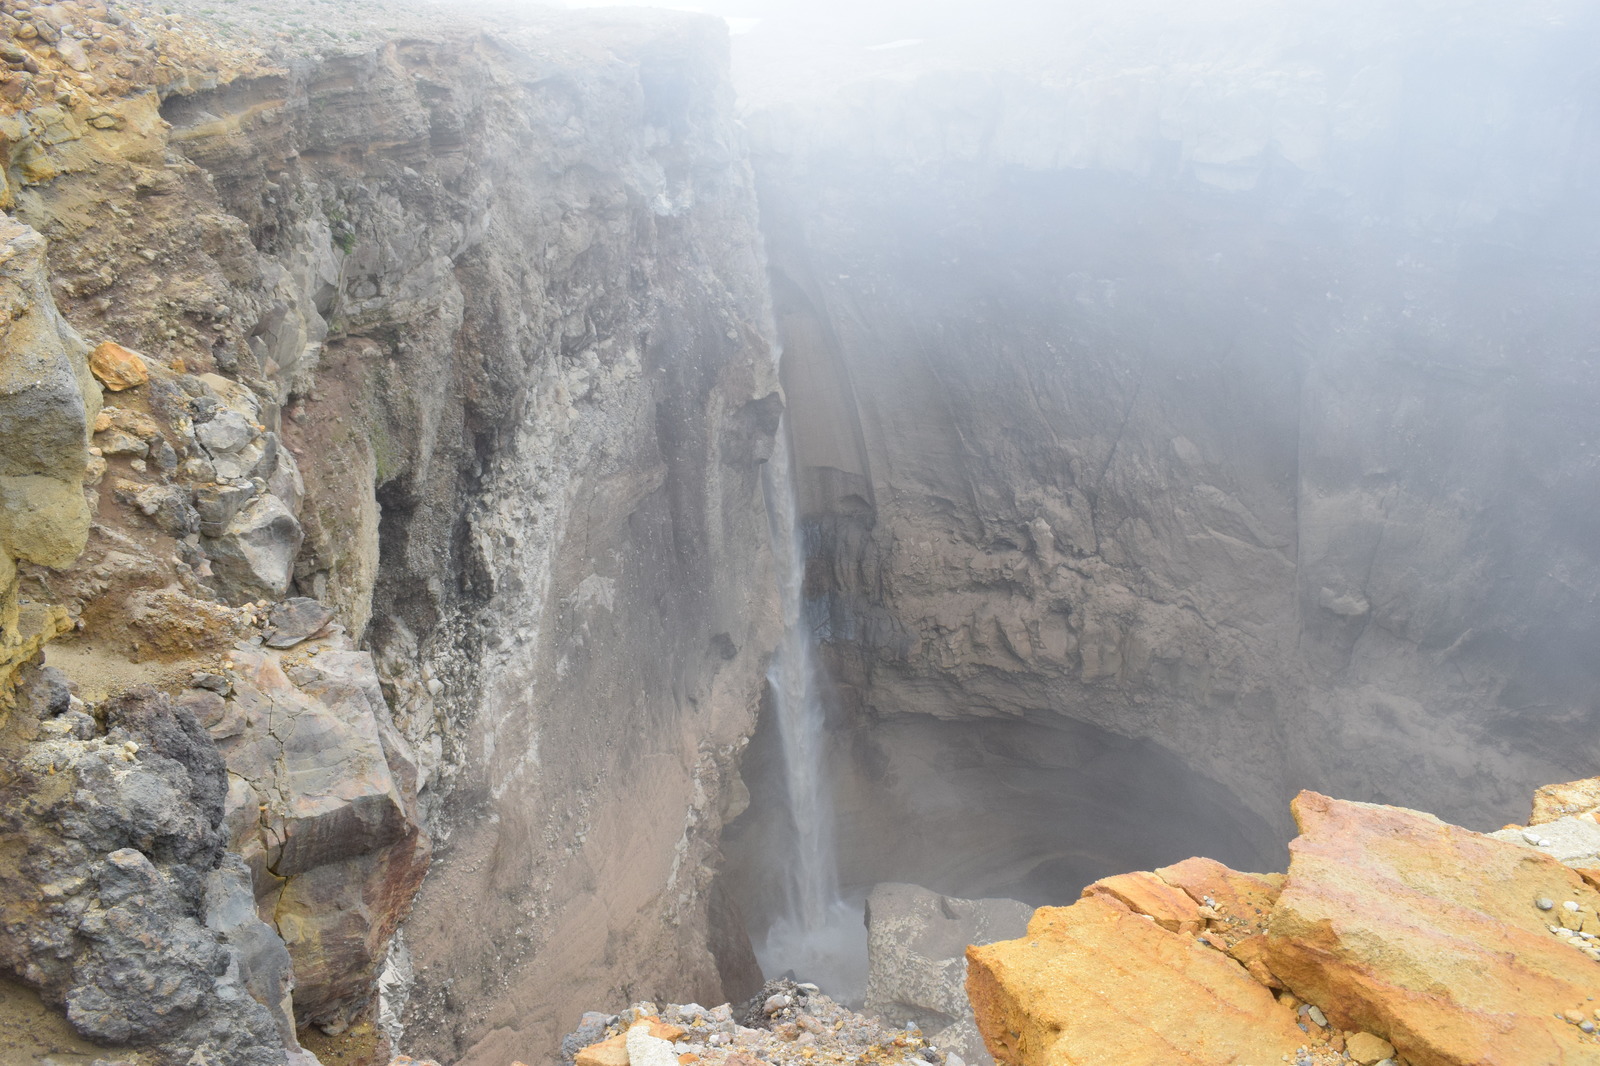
[(786, 1024)]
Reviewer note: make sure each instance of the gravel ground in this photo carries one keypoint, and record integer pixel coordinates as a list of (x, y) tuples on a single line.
[(786, 1024)]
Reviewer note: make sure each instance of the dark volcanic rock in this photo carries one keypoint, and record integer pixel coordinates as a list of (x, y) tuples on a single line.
[(107, 845)]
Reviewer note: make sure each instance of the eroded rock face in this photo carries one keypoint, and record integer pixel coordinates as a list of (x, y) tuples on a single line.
[(47, 402), (1120, 400), (465, 335)]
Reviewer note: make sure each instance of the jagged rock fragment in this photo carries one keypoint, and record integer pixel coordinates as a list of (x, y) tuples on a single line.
[(117, 368), (1095, 983), (1425, 933), (295, 620), (254, 556), (1567, 798), (323, 808)]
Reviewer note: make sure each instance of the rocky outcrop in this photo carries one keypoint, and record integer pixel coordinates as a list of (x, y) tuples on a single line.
[(1433, 937), (47, 401), (785, 1024), (112, 901), (461, 331), (916, 960), (322, 806), (1394, 937)]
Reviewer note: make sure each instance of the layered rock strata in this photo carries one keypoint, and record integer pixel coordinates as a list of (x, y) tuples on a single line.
[(1138, 416), (457, 338), (1394, 936)]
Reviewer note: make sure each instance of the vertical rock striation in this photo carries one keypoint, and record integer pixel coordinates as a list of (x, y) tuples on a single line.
[(463, 333)]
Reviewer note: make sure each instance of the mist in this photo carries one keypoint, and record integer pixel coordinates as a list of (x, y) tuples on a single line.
[(552, 518)]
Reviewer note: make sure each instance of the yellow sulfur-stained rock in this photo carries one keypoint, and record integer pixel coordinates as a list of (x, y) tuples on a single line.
[(1428, 934), (1145, 893), (1095, 983), (117, 367), (1570, 797), (1240, 897), (1368, 1049)]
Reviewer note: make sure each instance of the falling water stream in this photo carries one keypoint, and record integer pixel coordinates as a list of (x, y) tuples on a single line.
[(819, 936)]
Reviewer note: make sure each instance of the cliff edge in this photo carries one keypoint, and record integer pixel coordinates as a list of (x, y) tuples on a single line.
[(1393, 938)]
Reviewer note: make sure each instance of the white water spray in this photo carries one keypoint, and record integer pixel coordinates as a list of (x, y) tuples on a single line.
[(820, 936)]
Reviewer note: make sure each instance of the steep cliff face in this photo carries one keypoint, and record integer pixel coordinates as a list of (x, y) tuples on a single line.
[(456, 342), (1228, 400)]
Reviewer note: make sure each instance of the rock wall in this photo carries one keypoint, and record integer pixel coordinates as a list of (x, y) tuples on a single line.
[(438, 371), (1226, 398)]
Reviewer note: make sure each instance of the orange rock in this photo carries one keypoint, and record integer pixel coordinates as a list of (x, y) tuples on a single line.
[(1251, 951), (1591, 877), (117, 367), (1368, 1049), (1239, 896), (614, 1051), (687, 1057), (1570, 797), (1145, 893), (1401, 925), (1094, 983), (609, 1052)]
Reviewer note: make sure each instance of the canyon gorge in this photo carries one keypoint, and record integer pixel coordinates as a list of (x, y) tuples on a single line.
[(396, 404)]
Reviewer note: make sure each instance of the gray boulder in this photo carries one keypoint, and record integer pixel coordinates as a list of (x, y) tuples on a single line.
[(255, 554), (917, 964)]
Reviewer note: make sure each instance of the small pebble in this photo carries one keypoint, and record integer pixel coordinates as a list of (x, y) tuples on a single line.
[(1571, 907), (1544, 904), (1316, 1015)]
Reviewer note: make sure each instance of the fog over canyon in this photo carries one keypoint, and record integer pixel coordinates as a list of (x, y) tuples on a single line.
[(598, 495)]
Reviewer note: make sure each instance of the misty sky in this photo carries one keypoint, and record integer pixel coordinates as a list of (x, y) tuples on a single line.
[(795, 49)]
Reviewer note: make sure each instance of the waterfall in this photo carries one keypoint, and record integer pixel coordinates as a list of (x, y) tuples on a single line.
[(820, 935)]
